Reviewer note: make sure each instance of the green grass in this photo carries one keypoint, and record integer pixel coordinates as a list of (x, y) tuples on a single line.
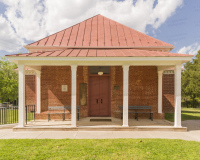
[(99, 149), (186, 114)]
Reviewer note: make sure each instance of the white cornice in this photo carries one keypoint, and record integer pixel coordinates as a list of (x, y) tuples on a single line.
[(128, 59), (178, 58), (28, 72), (168, 72)]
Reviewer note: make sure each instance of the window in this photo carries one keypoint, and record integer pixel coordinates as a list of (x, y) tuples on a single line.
[(96, 69)]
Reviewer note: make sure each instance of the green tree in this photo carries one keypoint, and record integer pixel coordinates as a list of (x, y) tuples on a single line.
[(8, 80), (191, 82)]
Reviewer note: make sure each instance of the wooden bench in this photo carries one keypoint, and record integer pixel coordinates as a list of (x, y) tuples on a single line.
[(62, 110), (136, 108)]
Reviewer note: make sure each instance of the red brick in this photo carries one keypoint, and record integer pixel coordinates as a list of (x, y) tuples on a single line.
[(168, 93), (30, 90)]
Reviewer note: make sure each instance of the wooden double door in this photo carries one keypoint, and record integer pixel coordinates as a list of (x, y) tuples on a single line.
[(99, 96)]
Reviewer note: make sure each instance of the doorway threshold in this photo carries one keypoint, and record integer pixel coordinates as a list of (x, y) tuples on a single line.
[(100, 120)]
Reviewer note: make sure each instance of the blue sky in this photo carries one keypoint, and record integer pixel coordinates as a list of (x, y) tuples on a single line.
[(174, 21)]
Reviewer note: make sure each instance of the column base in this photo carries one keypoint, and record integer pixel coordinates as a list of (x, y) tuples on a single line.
[(20, 126), (177, 126), (125, 125)]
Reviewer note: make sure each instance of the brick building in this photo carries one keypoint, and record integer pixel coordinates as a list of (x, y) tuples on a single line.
[(100, 65)]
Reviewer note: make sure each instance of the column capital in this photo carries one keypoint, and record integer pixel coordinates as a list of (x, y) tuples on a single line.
[(178, 67), (126, 66), (20, 65), (160, 72), (38, 73), (74, 67)]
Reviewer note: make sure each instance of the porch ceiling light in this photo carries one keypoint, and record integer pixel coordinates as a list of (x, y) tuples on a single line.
[(100, 72)]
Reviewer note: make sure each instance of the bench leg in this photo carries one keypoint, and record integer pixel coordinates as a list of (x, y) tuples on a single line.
[(121, 115), (78, 116), (48, 117), (137, 116), (63, 116), (152, 117)]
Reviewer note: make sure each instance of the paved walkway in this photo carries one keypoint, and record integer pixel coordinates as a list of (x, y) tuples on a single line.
[(193, 134)]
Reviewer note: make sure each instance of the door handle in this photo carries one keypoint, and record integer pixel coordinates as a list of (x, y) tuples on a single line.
[(101, 100), (97, 101)]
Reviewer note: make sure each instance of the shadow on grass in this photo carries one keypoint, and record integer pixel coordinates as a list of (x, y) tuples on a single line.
[(190, 112), (184, 116)]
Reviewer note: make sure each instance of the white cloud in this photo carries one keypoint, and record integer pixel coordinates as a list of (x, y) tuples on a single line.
[(35, 19), (191, 49), (9, 40), (26, 17)]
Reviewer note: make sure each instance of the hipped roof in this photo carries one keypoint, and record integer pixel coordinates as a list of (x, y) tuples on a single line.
[(101, 32)]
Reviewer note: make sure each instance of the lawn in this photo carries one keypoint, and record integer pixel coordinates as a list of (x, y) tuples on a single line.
[(186, 114), (99, 149)]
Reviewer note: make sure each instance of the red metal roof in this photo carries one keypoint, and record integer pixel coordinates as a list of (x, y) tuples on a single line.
[(101, 53), (99, 31)]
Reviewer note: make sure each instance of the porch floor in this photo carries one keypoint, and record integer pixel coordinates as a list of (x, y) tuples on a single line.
[(115, 124)]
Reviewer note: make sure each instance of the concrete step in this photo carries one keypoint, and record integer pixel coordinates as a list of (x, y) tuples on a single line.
[(100, 128)]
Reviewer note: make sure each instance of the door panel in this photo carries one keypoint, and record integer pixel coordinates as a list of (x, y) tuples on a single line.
[(94, 96), (104, 96), (99, 96)]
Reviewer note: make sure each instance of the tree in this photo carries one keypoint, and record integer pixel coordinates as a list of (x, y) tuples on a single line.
[(8, 80), (191, 82)]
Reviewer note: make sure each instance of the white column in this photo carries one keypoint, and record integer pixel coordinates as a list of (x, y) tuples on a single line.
[(21, 96), (38, 89), (125, 94), (177, 95), (73, 95), (160, 91)]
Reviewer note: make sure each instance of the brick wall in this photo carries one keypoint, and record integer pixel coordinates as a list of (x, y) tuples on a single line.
[(168, 93), (143, 89), (30, 90), (52, 78), (82, 77), (116, 95)]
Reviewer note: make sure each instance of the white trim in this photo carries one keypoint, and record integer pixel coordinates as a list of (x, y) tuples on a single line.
[(38, 86), (73, 95), (29, 72), (178, 58), (168, 72), (125, 94), (160, 91), (21, 70), (177, 95)]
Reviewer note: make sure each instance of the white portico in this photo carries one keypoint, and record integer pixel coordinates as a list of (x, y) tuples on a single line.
[(162, 63)]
